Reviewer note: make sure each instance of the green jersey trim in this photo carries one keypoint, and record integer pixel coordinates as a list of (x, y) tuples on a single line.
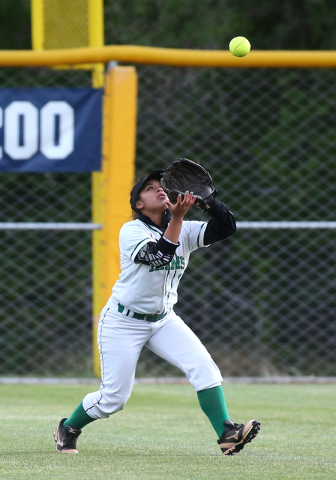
[(144, 241), (198, 237), (156, 230)]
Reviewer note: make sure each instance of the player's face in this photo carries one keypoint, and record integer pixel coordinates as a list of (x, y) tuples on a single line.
[(152, 198)]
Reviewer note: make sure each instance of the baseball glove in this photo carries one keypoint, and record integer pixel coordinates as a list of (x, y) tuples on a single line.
[(184, 175)]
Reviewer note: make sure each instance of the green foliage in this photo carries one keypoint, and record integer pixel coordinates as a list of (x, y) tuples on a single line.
[(289, 24), (15, 25), (174, 24), (296, 147)]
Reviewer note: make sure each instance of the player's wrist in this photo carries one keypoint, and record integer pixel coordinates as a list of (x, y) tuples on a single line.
[(177, 218), (175, 244)]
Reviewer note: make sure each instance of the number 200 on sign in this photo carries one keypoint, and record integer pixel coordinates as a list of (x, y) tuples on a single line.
[(28, 130)]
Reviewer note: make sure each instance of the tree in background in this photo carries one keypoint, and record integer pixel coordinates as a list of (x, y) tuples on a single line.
[(15, 25), (275, 25), (286, 24)]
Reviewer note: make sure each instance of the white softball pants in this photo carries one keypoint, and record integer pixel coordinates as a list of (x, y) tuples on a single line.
[(120, 341)]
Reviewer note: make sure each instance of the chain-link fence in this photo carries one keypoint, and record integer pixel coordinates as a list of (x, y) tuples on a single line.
[(45, 288), (263, 301)]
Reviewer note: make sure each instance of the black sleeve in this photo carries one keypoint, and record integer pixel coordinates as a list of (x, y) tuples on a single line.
[(156, 254), (221, 225)]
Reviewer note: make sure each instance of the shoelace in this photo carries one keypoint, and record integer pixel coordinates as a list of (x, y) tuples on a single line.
[(236, 425)]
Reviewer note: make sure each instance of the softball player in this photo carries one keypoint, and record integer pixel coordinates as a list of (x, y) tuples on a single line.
[(154, 253)]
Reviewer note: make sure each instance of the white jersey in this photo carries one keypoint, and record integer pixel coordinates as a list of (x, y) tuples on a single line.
[(146, 289)]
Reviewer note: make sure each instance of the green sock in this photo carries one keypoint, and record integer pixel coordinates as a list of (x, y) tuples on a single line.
[(212, 403), (79, 418)]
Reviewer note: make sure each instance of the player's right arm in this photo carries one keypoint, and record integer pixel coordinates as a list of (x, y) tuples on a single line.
[(160, 253), (178, 212)]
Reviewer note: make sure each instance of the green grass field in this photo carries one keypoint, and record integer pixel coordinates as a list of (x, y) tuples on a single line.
[(163, 434)]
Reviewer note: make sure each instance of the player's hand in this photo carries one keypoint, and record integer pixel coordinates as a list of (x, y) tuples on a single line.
[(182, 205)]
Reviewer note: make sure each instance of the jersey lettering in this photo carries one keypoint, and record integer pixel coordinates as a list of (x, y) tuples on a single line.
[(178, 263)]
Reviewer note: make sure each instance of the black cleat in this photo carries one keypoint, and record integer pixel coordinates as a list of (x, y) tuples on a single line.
[(66, 438), (236, 436)]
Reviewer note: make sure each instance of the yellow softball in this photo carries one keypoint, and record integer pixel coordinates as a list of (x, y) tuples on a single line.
[(239, 46)]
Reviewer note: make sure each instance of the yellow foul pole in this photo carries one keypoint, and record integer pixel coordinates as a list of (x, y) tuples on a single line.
[(112, 186)]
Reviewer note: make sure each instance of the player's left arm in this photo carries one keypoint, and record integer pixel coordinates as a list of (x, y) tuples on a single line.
[(222, 223)]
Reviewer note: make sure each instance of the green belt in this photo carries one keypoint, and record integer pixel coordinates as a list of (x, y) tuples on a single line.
[(142, 316)]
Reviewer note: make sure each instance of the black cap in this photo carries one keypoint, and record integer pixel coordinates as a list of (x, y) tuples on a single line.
[(135, 193)]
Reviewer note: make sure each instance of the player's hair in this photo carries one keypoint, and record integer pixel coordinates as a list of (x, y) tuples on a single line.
[(136, 190)]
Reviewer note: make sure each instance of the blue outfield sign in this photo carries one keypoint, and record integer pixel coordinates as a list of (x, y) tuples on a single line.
[(50, 129)]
